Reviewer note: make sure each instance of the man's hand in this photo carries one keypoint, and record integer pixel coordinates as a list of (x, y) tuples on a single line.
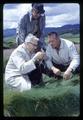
[(67, 74), (56, 71), (39, 56)]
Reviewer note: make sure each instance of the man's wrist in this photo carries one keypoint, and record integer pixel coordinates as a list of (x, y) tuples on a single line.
[(34, 60), (52, 68), (70, 69)]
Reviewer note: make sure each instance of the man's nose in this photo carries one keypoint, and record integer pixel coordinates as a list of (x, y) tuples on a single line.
[(51, 43), (35, 47)]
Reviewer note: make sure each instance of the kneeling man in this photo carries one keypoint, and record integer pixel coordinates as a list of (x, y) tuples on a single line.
[(21, 70), (62, 55)]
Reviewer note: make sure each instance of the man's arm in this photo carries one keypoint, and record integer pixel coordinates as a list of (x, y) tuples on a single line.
[(75, 58), (55, 70), (42, 23), (22, 65), (26, 66), (22, 29), (49, 60)]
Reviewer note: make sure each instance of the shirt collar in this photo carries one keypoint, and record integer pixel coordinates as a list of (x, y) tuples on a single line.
[(28, 52), (24, 46)]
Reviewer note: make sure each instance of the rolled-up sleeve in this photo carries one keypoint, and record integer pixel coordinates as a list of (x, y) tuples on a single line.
[(22, 65), (75, 57)]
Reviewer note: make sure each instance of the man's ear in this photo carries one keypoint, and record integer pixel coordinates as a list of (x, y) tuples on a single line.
[(32, 4)]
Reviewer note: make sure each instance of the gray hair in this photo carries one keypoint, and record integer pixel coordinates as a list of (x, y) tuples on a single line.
[(31, 38)]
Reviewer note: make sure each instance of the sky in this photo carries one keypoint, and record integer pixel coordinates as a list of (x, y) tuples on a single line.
[(57, 14)]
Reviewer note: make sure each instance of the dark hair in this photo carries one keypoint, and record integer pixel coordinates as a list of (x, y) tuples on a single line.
[(38, 7), (53, 33)]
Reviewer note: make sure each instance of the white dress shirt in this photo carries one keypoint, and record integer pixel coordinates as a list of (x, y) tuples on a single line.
[(20, 63), (67, 55)]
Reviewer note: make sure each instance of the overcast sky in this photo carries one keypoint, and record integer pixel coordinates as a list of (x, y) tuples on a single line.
[(57, 14)]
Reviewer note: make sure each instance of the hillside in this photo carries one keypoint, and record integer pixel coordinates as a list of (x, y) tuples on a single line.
[(74, 29), (9, 32), (64, 29), (70, 32)]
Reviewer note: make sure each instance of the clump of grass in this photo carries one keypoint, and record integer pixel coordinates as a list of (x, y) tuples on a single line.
[(58, 98)]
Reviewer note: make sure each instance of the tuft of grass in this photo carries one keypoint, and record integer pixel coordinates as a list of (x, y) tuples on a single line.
[(57, 98)]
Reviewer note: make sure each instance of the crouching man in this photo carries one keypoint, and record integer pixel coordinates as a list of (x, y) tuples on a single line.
[(21, 70), (63, 56)]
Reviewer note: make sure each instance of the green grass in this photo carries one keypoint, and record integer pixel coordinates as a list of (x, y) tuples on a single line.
[(72, 37), (55, 98), (9, 39), (9, 42)]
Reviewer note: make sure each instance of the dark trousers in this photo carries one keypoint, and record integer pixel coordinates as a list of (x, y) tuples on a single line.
[(36, 75), (63, 68)]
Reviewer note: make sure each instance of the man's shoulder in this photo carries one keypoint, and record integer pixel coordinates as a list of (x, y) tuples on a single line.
[(49, 47), (27, 15), (19, 49), (68, 42)]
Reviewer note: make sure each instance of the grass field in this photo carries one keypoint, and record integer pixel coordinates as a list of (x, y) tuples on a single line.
[(53, 98), (74, 38)]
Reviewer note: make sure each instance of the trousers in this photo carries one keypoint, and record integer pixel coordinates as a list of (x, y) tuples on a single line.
[(36, 75)]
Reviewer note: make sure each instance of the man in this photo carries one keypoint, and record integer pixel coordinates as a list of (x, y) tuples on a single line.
[(34, 23), (21, 70), (63, 56)]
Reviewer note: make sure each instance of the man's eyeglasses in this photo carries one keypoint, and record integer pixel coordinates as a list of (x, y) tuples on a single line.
[(36, 11), (34, 44)]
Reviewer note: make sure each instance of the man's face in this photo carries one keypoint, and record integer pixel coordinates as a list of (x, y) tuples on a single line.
[(33, 46), (35, 14), (53, 41)]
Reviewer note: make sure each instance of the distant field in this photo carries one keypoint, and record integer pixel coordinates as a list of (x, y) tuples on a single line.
[(7, 39), (74, 38), (70, 35), (9, 42)]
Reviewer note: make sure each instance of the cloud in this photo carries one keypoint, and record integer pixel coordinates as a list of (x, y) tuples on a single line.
[(57, 14), (62, 14), (11, 17), (23, 9), (61, 8), (10, 6), (62, 19)]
